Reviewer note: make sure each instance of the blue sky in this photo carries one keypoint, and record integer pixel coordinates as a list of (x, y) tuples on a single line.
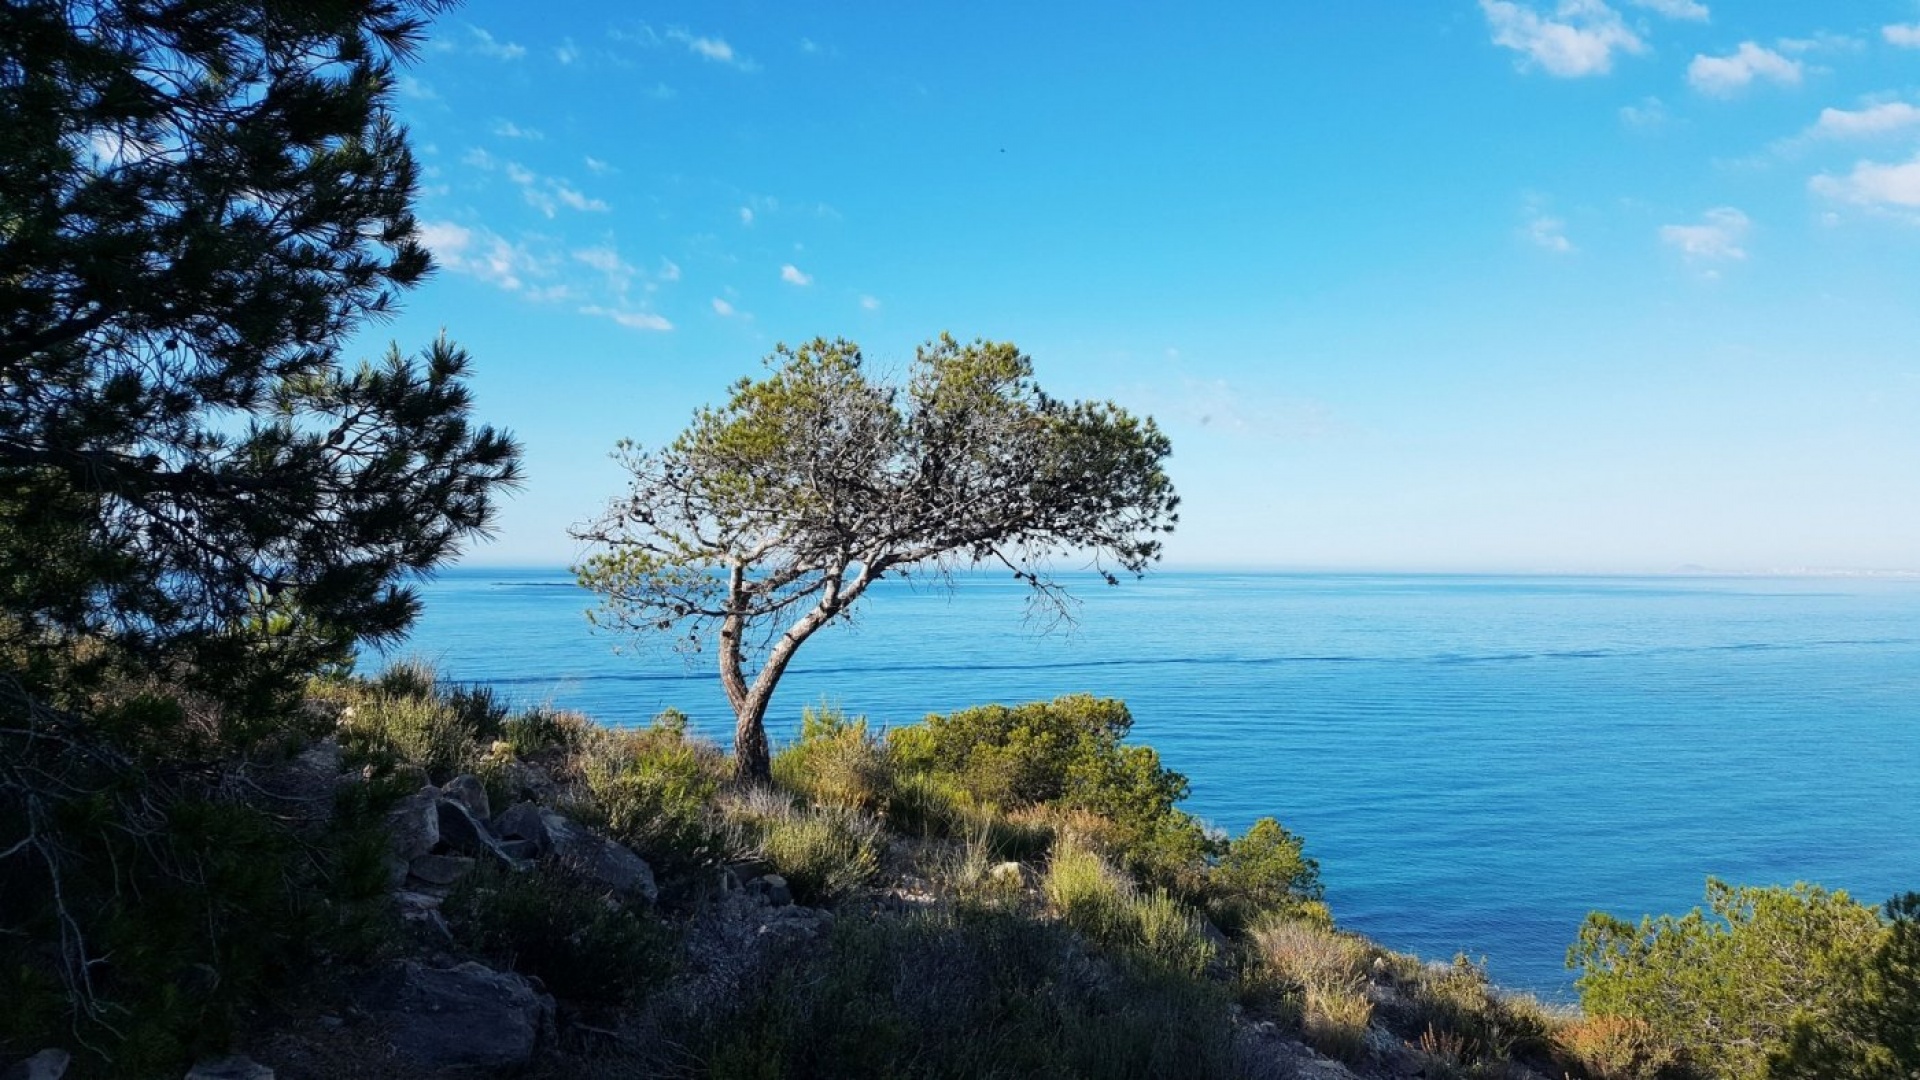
[(1465, 285)]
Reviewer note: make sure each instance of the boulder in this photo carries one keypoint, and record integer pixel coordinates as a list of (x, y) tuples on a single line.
[(464, 833), (469, 792), (466, 1017), (523, 821), (235, 1067), (599, 859), (48, 1064), (1013, 873), (772, 888), (441, 869), (413, 830), (525, 780)]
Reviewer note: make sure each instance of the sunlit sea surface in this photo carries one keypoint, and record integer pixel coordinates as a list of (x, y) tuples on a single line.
[(1476, 762)]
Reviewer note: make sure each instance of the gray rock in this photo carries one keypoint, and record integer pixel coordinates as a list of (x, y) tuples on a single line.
[(235, 1067), (601, 860), (441, 869), (520, 849), (773, 888), (414, 824), (48, 1064), (467, 1017), (524, 821), (1013, 873), (528, 781), (469, 792), (464, 833)]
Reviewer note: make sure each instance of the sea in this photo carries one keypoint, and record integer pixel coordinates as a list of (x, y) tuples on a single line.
[(1476, 762)]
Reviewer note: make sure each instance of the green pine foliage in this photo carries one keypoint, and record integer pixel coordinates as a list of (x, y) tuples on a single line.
[(1731, 985)]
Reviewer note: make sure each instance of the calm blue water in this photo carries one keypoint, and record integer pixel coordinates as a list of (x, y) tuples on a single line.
[(1475, 761)]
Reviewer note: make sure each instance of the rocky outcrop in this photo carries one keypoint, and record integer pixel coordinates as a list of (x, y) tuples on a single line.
[(48, 1064), (465, 1017), (599, 859)]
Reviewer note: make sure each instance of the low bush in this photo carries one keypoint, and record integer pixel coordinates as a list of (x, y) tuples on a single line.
[(957, 994), (1730, 986), (406, 715), (560, 929), (1066, 754), (1262, 873), (824, 852), (540, 729), (836, 761), (1108, 909), (653, 789), (1613, 1048), (1316, 976)]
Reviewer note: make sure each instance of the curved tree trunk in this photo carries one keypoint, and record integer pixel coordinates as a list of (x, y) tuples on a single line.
[(752, 758)]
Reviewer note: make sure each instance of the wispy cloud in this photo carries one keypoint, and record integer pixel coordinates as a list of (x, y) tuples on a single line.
[(793, 275), (711, 48), (1874, 184), (746, 215), (1724, 76), (546, 194), (486, 44), (1905, 35), (1651, 112), (507, 129), (870, 303), (1717, 238), (598, 167), (1879, 119), (633, 320), (722, 308), (566, 52), (413, 89), (669, 270), (484, 254), (1548, 233), (1579, 38), (1688, 10)]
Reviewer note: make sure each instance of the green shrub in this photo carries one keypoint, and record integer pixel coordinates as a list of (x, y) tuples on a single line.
[(1262, 872), (559, 928), (836, 761), (1317, 976), (959, 994), (407, 715), (653, 789), (541, 728), (824, 852), (1067, 754), (1728, 986), (1106, 908)]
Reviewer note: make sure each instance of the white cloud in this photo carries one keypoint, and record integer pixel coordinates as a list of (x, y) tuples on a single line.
[(1872, 120), (570, 197), (1550, 233), (486, 45), (808, 45), (1650, 113), (1716, 239), (410, 87), (870, 303), (1579, 38), (722, 308), (633, 320), (483, 254), (1874, 184), (1905, 35), (1725, 75), (711, 48), (608, 261), (1689, 10), (1822, 41), (792, 275), (598, 167), (669, 270), (746, 215), (478, 158), (507, 129), (566, 52)]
